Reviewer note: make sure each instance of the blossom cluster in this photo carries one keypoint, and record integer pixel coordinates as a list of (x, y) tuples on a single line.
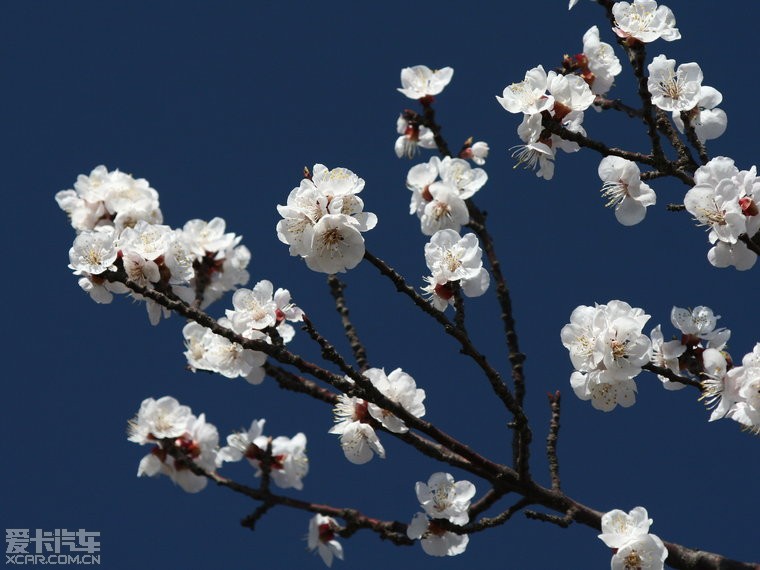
[(607, 349), (356, 418), (118, 224), (439, 190), (455, 263), (633, 546), (442, 498), (725, 199), (284, 457), (699, 346), (597, 64), (167, 425), (562, 97), (259, 314), (323, 220), (174, 430), (730, 391)]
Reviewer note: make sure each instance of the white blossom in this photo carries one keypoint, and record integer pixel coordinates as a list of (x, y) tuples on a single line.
[(445, 210), (608, 349), (209, 351), (288, 463), (357, 437), (398, 387), (159, 419), (168, 424), (708, 121), (201, 237), (624, 189), (674, 89), (645, 21), (420, 81), (665, 355), (112, 199), (529, 95), (323, 220), (413, 137), (700, 322), (646, 552), (93, 252), (476, 152), (618, 528), (570, 92), (602, 61), (336, 245), (444, 498), (321, 538), (436, 541), (255, 308)]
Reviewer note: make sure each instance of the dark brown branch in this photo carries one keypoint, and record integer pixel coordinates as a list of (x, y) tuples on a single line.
[(616, 104), (473, 461), (522, 435), (360, 353), (555, 127), (459, 310), (552, 439), (328, 350), (672, 376), (390, 530), (500, 519), (289, 381), (561, 521), (752, 244), (429, 122), (468, 348), (486, 501), (691, 134)]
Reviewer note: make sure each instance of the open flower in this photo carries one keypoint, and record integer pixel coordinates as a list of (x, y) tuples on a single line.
[(420, 81), (529, 95), (321, 538), (436, 541), (357, 437), (624, 190), (674, 89), (645, 21), (444, 498)]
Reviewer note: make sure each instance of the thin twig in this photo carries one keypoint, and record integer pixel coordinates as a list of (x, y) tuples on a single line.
[(561, 521), (360, 353), (616, 104), (672, 376), (329, 352), (694, 140), (552, 439)]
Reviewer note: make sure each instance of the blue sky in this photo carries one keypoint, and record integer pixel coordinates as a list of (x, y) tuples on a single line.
[(220, 107)]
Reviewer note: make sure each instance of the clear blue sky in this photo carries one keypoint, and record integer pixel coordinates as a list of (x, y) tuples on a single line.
[(220, 106)]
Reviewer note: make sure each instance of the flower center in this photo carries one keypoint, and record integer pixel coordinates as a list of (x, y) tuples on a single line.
[(633, 561), (615, 192)]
